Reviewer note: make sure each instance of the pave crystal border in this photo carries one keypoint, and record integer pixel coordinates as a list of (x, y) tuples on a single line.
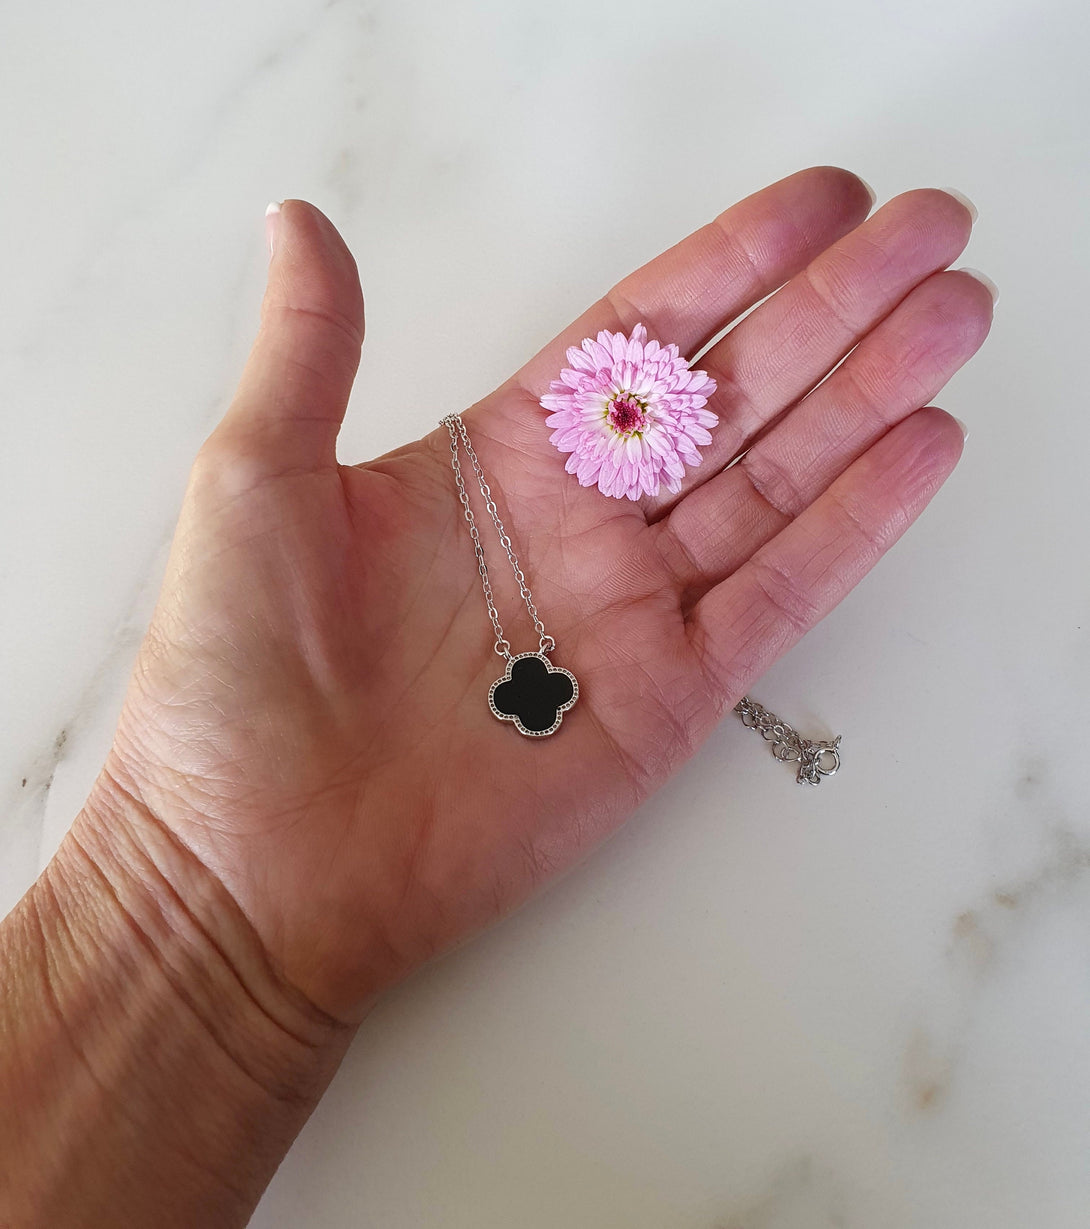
[(513, 717)]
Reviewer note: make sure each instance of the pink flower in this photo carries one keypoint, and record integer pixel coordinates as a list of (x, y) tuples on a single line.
[(630, 412)]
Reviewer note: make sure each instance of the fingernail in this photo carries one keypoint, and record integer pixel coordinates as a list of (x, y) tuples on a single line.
[(873, 194), (964, 428), (992, 288), (272, 225), (974, 213)]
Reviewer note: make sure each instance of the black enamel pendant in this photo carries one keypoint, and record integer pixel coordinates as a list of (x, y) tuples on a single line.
[(534, 694)]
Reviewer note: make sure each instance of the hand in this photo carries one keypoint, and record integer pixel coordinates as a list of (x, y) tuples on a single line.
[(307, 721)]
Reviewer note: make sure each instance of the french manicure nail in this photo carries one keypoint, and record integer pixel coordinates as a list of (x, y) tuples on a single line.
[(272, 225), (964, 428), (983, 278), (974, 212)]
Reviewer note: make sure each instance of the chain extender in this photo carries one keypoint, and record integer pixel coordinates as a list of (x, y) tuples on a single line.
[(815, 759)]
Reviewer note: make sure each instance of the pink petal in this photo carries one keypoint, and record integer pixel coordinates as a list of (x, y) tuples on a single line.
[(643, 383), (588, 399), (587, 467), (579, 359), (658, 443), (599, 354), (701, 382)]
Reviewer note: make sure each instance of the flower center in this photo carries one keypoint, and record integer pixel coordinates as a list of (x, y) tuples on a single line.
[(625, 414)]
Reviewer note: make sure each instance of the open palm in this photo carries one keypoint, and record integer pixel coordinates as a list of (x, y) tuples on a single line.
[(308, 713)]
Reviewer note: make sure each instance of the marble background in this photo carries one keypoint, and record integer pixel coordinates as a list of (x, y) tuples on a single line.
[(758, 1006)]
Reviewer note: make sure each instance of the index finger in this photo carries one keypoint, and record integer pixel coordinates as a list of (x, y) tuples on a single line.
[(694, 289)]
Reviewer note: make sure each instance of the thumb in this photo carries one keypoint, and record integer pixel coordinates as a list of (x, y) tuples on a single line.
[(291, 399)]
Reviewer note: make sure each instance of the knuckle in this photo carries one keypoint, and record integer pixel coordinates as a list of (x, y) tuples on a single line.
[(840, 285), (772, 483), (784, 595)]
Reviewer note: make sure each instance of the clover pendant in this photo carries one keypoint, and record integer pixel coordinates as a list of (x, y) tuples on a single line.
[(534, 694)]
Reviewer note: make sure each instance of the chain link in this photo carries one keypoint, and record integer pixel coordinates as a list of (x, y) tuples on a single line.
[(815, 759), (457, 431)]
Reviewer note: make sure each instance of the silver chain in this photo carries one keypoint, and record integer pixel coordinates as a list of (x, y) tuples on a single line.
[(457, 431), (815, 759)]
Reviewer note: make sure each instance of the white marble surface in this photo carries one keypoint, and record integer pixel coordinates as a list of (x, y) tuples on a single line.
[(757, 1007)]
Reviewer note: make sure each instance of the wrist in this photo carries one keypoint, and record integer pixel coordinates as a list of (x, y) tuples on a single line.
[(153, 1056)]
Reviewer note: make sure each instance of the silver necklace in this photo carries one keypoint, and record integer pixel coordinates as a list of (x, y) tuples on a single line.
[(534, 695), (531, 693)]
